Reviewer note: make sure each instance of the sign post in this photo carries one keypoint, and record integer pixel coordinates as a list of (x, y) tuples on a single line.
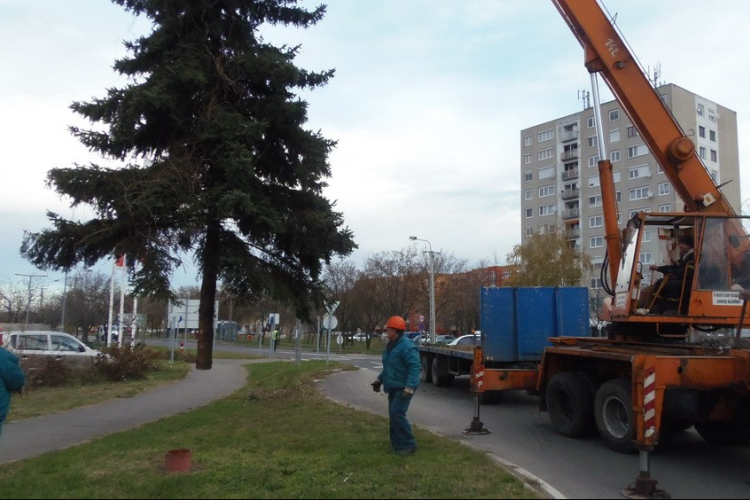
[(331, 321)]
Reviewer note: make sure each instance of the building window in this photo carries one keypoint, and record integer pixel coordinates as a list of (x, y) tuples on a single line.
[(546, 173), (699, 109), (714, 157), (665, 208), (596, 242), (596, 283), (528, 194), (639, 193), (635, 212), (593, 161), (614, 155), (618, 198), (646, 258), (592, 142), (527, 141), (639, 171), (547, 210), (711, 115), (529, 231), (545, 136), (715, 176), (529, 213), (616, 176), (594, 181), (590, 122), (639, 150), (546, 154), (595, 201), (545, 191), (712, 135), (527, 159), (632, 132), (528, 176), (702, 152), (596, 221), (614, 135), (647, 235), (701, 131), (614, 115)]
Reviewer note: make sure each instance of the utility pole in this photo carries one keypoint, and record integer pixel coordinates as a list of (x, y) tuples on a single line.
[(432, 287), (28, 303)]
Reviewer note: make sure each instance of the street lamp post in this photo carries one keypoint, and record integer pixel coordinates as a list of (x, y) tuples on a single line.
[(432, 288)]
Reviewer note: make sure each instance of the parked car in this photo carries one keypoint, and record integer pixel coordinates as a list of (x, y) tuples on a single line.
[(413, 335), (444, 339), (42, 343), (471, 339)]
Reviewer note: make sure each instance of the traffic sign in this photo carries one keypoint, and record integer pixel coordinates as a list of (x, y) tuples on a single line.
[(333, 321)]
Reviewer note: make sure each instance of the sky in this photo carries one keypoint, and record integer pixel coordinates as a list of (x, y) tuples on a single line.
[(426, 105)]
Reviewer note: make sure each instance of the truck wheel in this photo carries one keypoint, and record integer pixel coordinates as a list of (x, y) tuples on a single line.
[(570, 404), (426, 374), (613, 409), (724, 433), (440, 375)]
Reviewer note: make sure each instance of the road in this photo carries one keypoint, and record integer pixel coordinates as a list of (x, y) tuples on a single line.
[(577, 468)]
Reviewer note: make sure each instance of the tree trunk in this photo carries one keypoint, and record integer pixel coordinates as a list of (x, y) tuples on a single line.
[(210, 262)]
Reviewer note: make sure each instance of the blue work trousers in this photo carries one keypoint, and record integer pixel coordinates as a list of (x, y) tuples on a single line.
[(402, 438)]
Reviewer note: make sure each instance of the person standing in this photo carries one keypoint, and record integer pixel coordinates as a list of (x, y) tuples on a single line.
[(12, 379), (399, 379)]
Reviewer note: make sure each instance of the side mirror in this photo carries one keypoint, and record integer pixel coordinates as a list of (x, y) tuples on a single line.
[(81, 348)]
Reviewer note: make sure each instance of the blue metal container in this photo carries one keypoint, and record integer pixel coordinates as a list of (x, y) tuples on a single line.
[(536, 314), (517, 322), (498, 320)]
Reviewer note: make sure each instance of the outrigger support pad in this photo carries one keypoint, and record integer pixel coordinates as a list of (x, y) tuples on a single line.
[(644, 486), (476, 427)]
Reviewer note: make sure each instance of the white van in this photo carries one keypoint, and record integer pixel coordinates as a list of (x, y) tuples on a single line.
[(41, 343)]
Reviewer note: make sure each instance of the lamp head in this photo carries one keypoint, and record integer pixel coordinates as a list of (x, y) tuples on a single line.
[(412, 238)]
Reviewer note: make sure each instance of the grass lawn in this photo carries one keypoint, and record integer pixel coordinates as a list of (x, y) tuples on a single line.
[(275, 438)]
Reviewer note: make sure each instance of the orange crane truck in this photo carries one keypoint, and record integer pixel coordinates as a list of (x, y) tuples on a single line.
[(658, 369)]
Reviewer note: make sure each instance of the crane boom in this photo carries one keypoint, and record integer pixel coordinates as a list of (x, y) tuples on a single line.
[(608, 55)]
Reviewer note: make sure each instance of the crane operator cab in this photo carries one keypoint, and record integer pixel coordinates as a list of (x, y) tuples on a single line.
[(679, 270)]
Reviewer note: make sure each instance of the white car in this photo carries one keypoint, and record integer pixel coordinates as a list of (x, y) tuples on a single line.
[(42, 343), (467, 340)]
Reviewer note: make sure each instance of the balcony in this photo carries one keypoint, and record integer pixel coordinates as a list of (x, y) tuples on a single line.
[(570, 174), (569, 135), (574, 233), (571, 213), (568, 155), (570, 194)]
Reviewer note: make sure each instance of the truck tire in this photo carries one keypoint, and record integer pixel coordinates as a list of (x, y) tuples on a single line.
[(570, 404), (440, 375), (724, 433), (425, 374), (613, 410)]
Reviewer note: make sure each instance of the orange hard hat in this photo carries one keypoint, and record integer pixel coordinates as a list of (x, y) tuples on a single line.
[(396, 322)]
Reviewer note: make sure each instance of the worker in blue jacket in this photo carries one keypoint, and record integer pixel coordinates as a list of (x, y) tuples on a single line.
[(399, 378), (11, 380)]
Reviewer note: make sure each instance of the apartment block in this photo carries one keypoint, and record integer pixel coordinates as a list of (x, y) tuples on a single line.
[(560, 178)]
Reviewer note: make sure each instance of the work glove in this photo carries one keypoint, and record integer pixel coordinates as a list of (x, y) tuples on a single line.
[(407, 392), (376, 385)]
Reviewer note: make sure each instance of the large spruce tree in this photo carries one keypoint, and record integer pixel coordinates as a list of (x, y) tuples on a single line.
[(215, 162)]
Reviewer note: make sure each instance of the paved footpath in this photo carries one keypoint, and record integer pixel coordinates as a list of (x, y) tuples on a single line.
[(35, 436)]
